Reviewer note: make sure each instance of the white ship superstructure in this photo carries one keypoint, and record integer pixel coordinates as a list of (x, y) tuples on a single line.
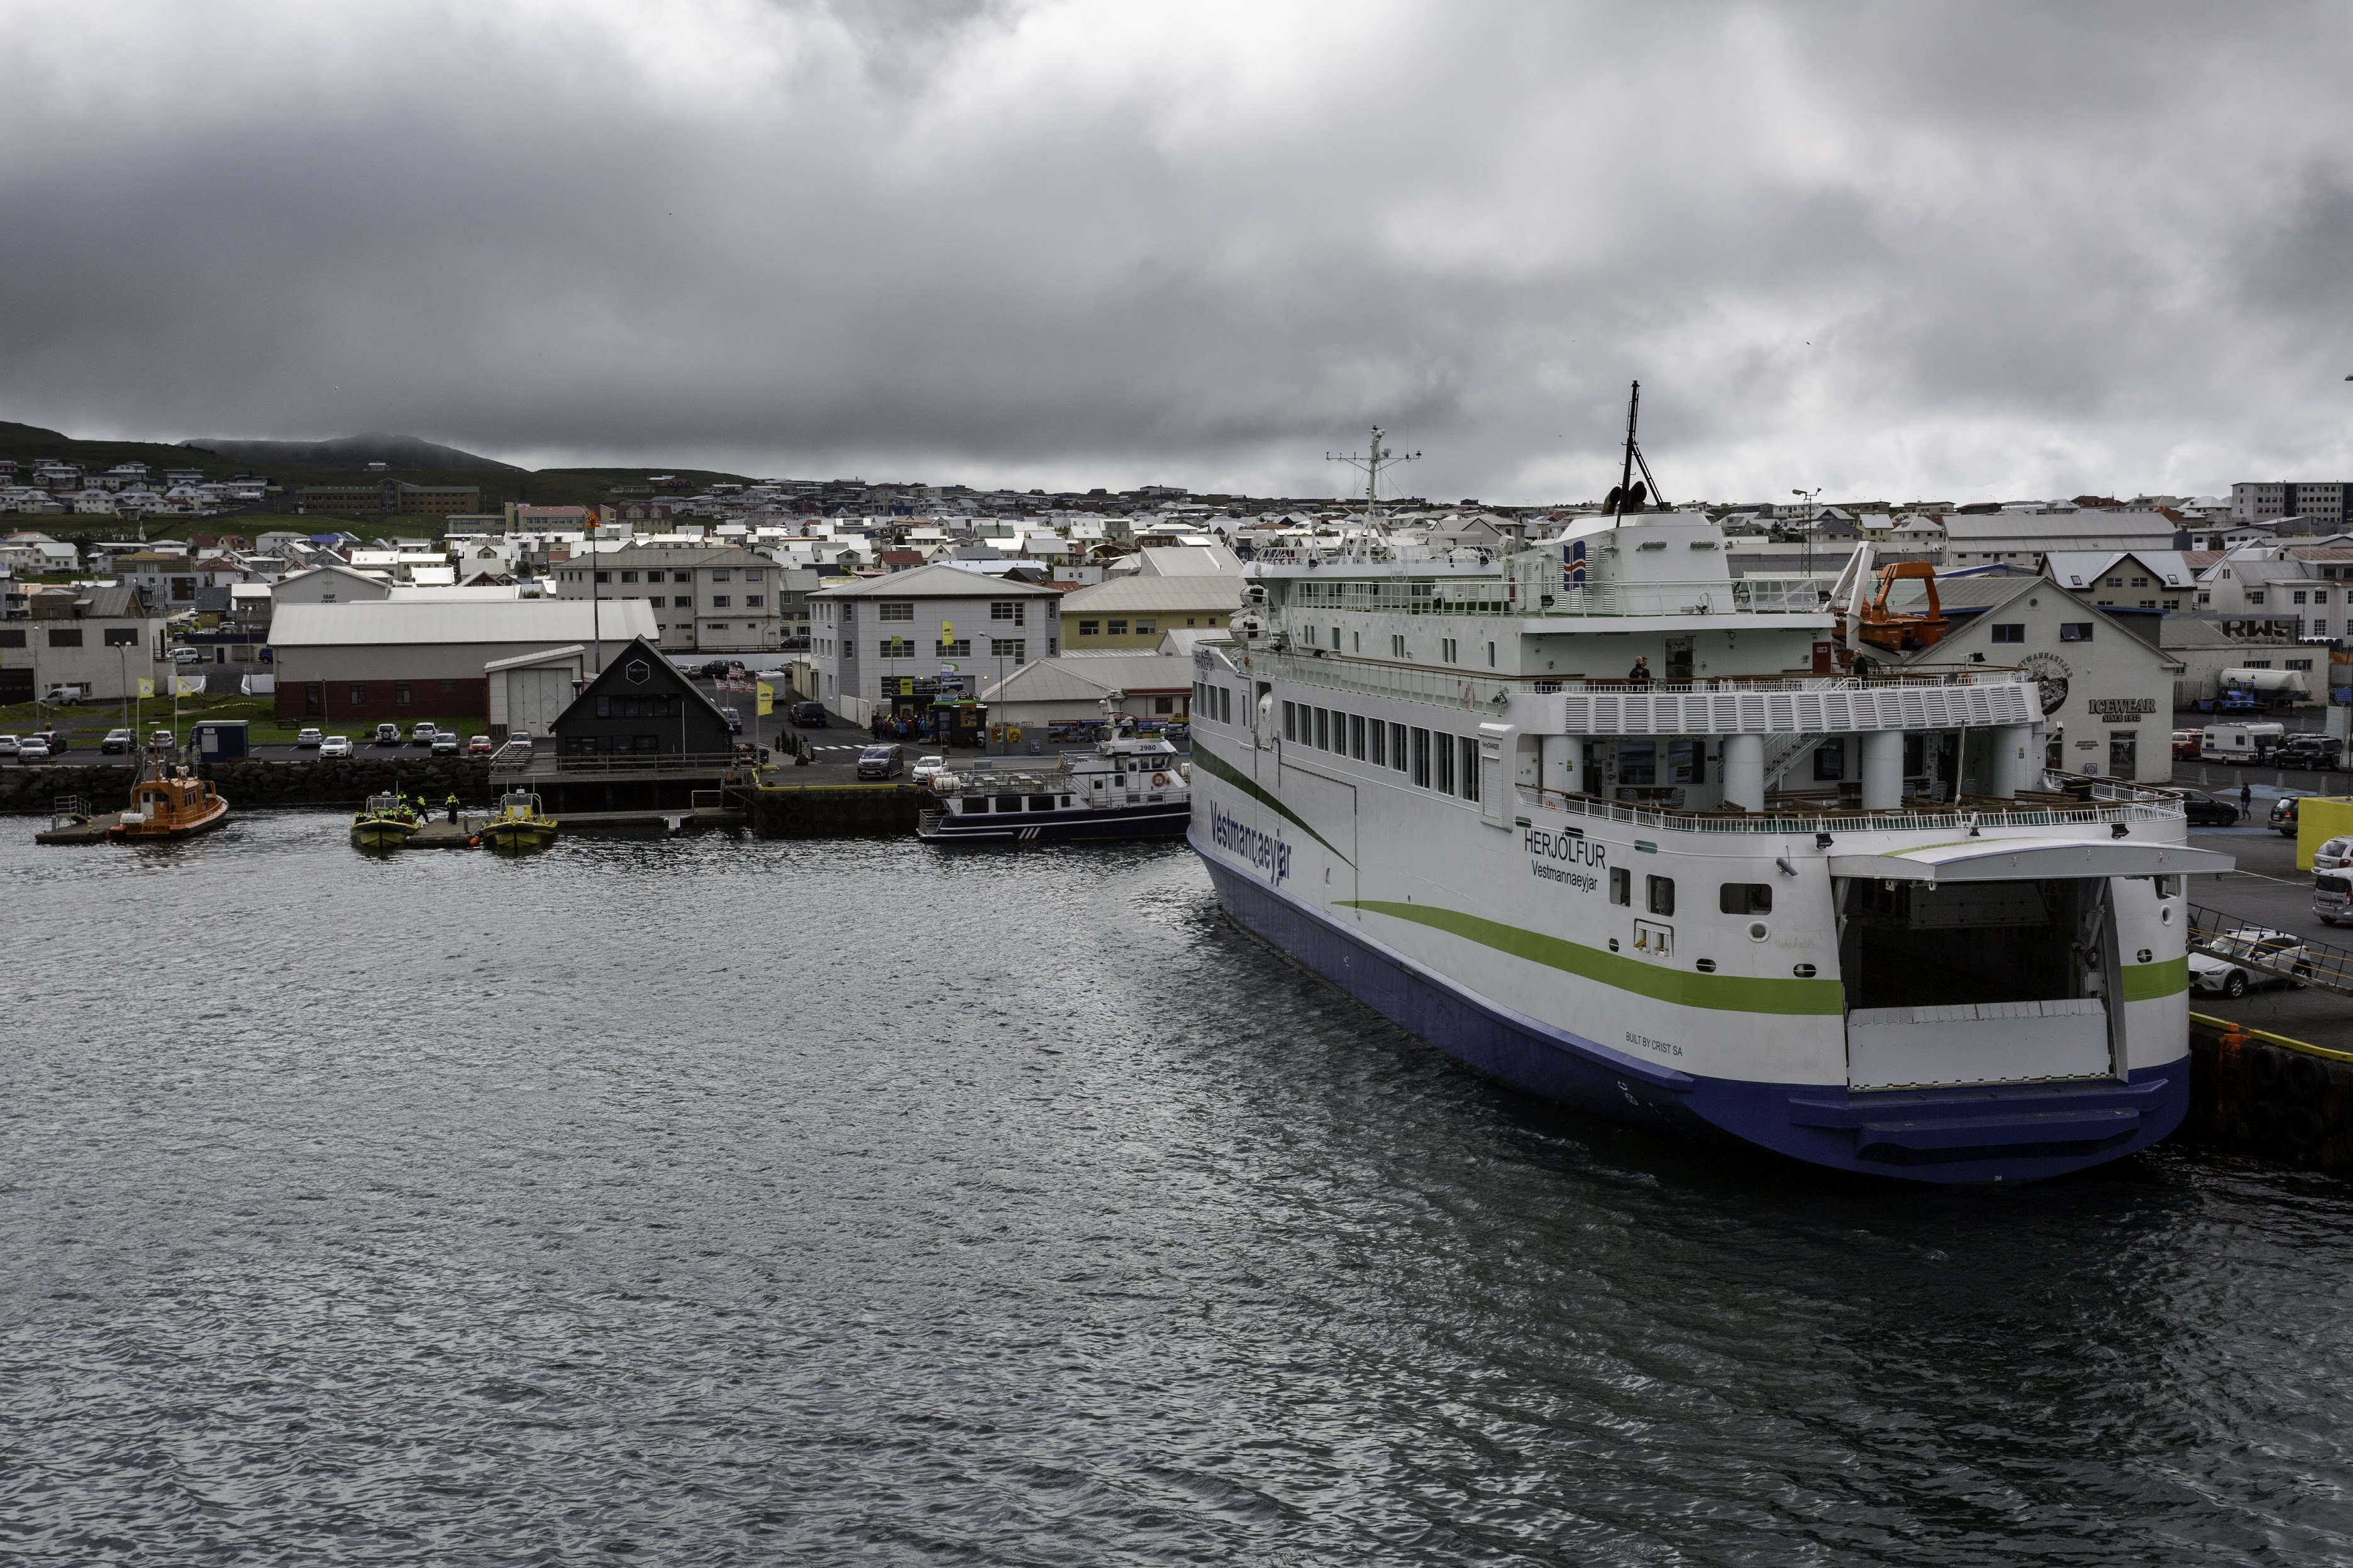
[(1602, 819)]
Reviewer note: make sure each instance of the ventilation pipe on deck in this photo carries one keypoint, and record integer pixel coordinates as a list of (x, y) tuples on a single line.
[(1883, 770), (1744, 772)]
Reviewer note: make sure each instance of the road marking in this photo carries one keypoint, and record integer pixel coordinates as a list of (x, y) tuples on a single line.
[(2283, 882)]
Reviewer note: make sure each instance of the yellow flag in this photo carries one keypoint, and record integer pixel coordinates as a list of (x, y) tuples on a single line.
[(767, 700), (147, 689)]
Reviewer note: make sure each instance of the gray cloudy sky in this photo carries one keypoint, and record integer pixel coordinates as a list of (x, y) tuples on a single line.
[(1904, 250)]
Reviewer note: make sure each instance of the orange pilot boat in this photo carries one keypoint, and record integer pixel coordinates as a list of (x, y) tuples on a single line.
[(169, 807)]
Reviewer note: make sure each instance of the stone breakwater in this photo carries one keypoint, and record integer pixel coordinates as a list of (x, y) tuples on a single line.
[(106, 785)]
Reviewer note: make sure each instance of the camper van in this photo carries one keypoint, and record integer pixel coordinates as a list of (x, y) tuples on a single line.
[(2239, 742)]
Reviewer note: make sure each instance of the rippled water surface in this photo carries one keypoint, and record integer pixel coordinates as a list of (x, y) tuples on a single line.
[(729, 1202)]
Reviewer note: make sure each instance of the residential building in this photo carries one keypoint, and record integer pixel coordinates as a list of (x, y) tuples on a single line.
[(104, 639), (1140, 685), (2140, 579), (2325, 501), (426, 657), (1132, 611), (390, 498), (901, 641), (701, 598)]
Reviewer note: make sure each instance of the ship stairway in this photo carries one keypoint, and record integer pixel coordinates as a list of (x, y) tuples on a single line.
[(1783, 753), (2254, 946)]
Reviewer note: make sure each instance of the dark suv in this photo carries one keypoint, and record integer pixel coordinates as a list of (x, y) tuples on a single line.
[(2308, 751), (807, 715)]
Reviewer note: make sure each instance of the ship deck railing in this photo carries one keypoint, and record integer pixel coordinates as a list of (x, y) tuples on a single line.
[(2074, 806), (1542, 590), (1415, 682)]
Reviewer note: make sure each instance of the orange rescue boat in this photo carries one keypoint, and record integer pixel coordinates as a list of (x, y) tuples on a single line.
[(166, 808)]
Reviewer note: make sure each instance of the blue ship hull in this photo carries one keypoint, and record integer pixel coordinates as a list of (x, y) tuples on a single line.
[(1995, 1134)]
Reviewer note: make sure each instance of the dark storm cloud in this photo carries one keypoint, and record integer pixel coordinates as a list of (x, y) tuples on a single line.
[(1903, 251)]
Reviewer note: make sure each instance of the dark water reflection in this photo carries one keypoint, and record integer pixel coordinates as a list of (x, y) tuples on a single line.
[(739, 1203)]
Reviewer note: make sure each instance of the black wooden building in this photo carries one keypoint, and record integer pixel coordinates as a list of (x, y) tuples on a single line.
[(641, 707)]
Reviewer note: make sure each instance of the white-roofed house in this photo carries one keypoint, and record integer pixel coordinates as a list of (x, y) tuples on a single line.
[(403, 660)]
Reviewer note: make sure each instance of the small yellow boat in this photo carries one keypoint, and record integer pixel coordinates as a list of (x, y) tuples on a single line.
[(518, 825), (386, 823)]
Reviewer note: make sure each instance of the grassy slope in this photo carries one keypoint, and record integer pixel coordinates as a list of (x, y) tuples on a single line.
[(547, 487)]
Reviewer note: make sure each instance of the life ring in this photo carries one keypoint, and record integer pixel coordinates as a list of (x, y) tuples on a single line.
[(1160, 781)]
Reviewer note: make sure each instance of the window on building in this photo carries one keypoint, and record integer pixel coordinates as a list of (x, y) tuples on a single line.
[(2254, 595), (1090, 628), (400, 693), (1421, 758), (604, 576), (2075, 631), (718, 626), (682, 603), (1638, 762), (960, 648), (1015, 649), (121, 636), (2295, 664), (1005, 610), (359, 694), (2115, 582), (755, 600), (898, 648), (65, 636), (13, 637), (1396, 747), (1446, 649), (628, 576), (719, 574), (2299, 596), (1164, 705), (1443, 755), (719, 601), (893, 610), (1377, 751), (448, 686), (1659, 892), (1621, 886), (2011, 632), (1467, 755), (752, 575), (1323, 741), (1291, 721), (1117, 628), (1745, 899), (656, 602), (1144, 628), (1356, 736)]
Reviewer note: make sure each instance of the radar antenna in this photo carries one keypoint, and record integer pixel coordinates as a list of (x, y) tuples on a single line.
[(1370, 463), (1627, 493)]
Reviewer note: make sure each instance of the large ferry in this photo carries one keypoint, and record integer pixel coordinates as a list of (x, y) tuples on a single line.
[(1606, 821)]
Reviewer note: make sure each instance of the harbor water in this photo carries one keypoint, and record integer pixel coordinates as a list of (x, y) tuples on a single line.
[(718, 1201)]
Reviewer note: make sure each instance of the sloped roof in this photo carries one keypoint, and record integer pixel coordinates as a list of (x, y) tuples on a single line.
[(380, 622), (2084, 568), (936, 581), (1216, 594), (1048, 681)]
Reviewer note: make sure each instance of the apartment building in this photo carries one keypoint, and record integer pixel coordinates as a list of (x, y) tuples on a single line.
[(712, 599), (902, 639), (2323, 501)]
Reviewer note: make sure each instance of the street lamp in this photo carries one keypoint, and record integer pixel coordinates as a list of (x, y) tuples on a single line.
[(1809, 556)]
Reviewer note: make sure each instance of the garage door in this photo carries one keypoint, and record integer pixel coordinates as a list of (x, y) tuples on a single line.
[(534, 698)]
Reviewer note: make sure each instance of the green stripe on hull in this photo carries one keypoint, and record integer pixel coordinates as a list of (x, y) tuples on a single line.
[(2147, 982), (1219, 768), (1727, 992)]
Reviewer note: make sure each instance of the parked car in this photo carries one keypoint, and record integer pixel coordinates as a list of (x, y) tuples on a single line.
[(2310, 751), (479, 747), (881, 761), (2331, 896), (926, 769), (187, 656), (117, 740), (32, 749), (2204, 810), (2335, 855), (65, 696), (2283, 817), (53, 740), (2250, 955), (715, 670), (335, 746), (807, 715), (387, 734), (163, 741), (445, 744), (307, 739), (734, 720), (422, 735), (518, 744), (9, 745), (2185, 741)]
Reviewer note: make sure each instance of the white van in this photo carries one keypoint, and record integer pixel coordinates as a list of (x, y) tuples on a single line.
[(2239, 742)]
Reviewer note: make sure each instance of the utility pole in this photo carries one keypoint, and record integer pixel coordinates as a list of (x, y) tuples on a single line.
[(596, 615)]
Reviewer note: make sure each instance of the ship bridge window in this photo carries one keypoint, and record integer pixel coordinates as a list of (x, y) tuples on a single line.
[(1008, 803), (1356, 736), (1396, 747), (1421, 758), (1041, 803), (1745, 899), (1443, 754)]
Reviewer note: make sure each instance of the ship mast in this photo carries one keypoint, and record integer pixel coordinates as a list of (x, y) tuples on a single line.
[(1370, 463), (1627, 493)]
